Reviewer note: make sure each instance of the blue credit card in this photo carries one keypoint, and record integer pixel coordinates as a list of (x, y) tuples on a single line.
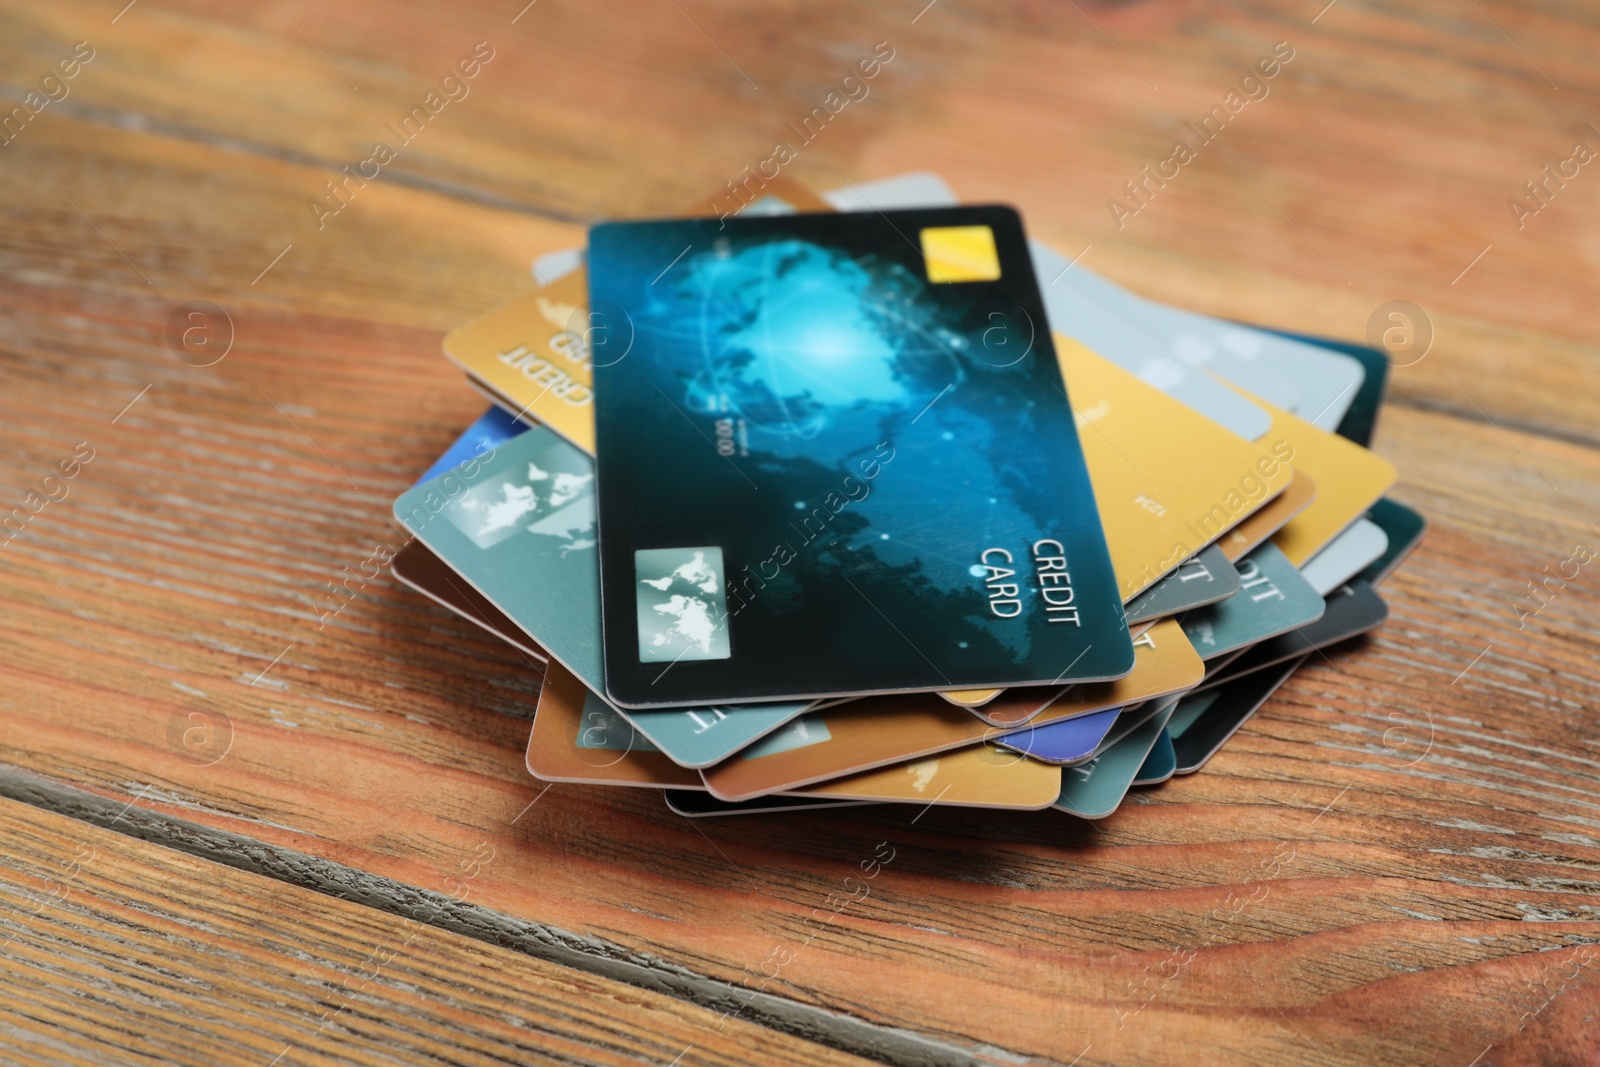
[(835, 456), (493, 429), (1066, 742), (1095, 789)]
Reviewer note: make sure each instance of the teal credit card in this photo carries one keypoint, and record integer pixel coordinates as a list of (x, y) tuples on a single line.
[(835, 457), (1272, 599), (1161, 764), (1095, 789), (520, 528)]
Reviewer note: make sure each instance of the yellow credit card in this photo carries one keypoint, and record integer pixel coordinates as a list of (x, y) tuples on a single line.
[(534, 352), (1168, 480), (1349, 479)]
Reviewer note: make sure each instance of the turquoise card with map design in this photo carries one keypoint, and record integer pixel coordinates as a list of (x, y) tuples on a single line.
[(835, 456), (519, 527)]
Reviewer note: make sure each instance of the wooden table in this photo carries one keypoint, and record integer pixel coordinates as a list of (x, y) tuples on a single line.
[(242, 828)]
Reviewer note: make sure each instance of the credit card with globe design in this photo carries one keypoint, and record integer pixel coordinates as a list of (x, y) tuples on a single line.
[(835, 457)]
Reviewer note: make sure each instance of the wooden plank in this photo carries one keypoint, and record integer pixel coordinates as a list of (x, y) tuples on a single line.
[(1379, 165), (186, 572), (117, 950), (389, 739)]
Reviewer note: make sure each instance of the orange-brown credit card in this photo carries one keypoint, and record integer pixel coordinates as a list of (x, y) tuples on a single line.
[(1237, 542), (578, 738), (980, 775)]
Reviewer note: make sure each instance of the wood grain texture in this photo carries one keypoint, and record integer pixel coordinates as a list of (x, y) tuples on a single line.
[(116, 950), (1382, 868), (1379, 166)]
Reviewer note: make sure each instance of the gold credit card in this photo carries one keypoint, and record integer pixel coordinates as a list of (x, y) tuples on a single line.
[(970, 698), (1349, 479), (879, 731), (534, 351), (1168, 480)]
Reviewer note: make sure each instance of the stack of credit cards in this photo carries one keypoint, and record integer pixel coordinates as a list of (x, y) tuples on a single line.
[(867, 498)]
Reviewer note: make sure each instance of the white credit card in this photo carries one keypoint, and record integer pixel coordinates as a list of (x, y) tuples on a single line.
[(1345, 556)]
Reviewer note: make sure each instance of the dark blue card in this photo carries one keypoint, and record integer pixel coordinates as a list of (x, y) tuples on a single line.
[(1067, 741), (1404, 527)]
